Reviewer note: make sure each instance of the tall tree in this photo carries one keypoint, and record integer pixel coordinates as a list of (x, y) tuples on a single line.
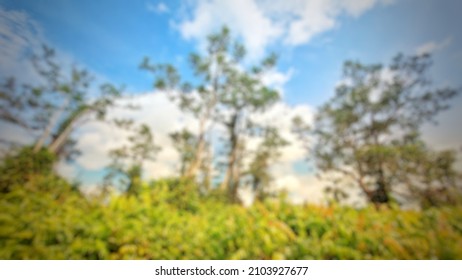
[(200, 100), (430, 177), (53, 107), (185, 143), (127, 161), (244, 93), (265, 155), (374, 117), (225, 92)]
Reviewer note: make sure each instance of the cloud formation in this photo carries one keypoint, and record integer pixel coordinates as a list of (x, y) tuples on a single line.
[(432, 46), (261, 23), (159, 8)]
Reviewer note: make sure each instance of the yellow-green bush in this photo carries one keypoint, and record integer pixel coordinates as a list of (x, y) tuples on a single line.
[(165, 222), (21, 167)]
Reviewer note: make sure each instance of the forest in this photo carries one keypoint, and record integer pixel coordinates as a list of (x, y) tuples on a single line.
[(365, 141)]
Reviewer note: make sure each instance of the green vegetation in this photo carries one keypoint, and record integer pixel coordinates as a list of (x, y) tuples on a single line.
[(169, 220), (368, 133)]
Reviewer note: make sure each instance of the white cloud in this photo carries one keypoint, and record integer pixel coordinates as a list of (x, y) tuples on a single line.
[(158, 112), (244, 17), (302, 188), (95, 141), (261, 23), (160, 8), (432, 47), (280, 116), (277, 79), (357, 7), (66, 170)]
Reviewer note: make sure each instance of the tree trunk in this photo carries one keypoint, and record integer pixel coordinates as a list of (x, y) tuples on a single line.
[(206, 168), (51, 123), (60, 140), (380, 194), (229, 182), (197, 160)]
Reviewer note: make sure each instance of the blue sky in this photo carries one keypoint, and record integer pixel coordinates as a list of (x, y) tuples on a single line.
[(111, 37), (313, 38)]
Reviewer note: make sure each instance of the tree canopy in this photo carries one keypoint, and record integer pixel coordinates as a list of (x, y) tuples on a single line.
[(370, 130)]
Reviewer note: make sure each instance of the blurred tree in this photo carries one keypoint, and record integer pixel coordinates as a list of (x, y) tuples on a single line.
[(267, 153), (243, 94), (127, 161), (369, 131), (302, 130), (200, 101), (430, 177), (56, 105), (226, 93), (185, 143)]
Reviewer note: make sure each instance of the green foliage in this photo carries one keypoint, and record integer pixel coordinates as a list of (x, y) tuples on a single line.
[(18, 168), (169, 220), (370, 130)]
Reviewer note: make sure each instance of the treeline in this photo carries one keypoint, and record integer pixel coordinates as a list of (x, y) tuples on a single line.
[(366, 136)]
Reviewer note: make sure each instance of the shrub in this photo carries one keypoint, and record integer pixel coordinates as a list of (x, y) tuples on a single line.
[(157, 224), (18, 168)]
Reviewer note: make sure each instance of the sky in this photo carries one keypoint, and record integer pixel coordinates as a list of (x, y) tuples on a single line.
[(312, 38)]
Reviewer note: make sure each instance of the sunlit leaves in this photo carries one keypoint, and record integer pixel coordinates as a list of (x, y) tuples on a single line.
[(63, 224)]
